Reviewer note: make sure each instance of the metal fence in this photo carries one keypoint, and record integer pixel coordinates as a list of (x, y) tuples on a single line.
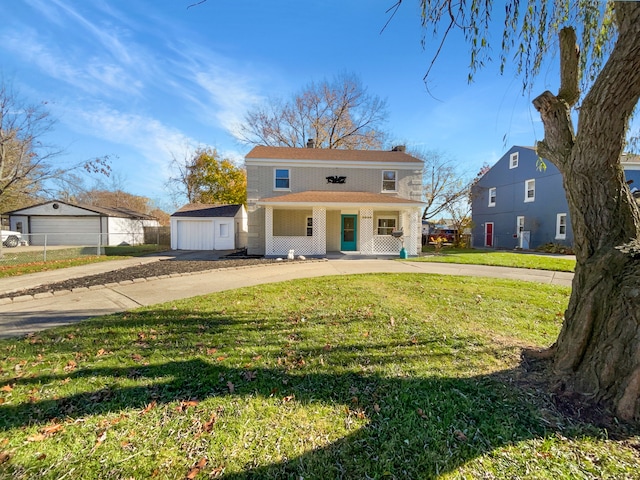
[(54, 246)]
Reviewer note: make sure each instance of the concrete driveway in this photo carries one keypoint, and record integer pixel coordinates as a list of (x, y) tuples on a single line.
[(24, 315)]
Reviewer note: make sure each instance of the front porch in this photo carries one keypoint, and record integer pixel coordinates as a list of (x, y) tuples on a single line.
[(360, 231)]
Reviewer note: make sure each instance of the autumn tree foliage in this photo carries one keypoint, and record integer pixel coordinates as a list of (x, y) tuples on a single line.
[(597, 353), (340, 113), (204, 177)]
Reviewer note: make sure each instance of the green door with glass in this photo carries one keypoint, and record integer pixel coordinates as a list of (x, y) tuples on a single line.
[(349, 232)]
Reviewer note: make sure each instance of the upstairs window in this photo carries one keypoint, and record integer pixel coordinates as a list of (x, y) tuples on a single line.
[(492, 197), (530, 190), (561, 226), (282, 179), (389, 180), (513, 160), (386, 225)]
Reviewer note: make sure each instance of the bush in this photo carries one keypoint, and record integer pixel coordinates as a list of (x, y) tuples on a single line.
[(555, 248)]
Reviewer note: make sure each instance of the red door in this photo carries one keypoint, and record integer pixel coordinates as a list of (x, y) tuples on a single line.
[(488, 234)]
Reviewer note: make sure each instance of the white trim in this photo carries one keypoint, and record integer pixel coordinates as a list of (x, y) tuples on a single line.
[(513, 160), (275, 179), (526, 190), (495, 194), (395, 182), (561, 236)]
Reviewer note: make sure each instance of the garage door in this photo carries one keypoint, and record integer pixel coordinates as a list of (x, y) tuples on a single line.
[(65, 230), (195, 235)]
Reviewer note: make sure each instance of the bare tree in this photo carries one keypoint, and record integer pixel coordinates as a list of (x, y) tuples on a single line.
[(597, 353), (337, 114), (442, 183), (27, 163)]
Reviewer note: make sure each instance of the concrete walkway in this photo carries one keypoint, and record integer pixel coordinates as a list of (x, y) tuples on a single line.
[(28, 314)]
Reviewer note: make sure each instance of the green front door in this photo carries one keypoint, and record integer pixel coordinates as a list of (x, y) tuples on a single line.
[(349, 232)]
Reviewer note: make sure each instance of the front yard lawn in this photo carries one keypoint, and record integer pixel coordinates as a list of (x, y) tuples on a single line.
[(558, 263), (368, 376)]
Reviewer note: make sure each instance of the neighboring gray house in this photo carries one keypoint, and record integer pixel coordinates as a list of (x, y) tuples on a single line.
[(314, 201), (63, 223), (198, 226), (517, 204)]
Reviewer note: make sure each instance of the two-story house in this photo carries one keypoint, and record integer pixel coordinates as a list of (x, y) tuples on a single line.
[(518, 203), (316, 201)]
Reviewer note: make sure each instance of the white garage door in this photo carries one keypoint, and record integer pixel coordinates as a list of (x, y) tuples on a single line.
[(65, 230), (195, 235)]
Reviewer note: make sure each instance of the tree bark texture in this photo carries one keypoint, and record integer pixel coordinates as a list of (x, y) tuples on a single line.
[(598, 350)]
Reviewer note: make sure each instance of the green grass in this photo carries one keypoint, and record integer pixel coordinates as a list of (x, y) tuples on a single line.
[(499, 259), (22, 263), (365, 376)]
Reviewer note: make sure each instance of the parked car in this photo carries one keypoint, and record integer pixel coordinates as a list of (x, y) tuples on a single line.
[(11, 238)]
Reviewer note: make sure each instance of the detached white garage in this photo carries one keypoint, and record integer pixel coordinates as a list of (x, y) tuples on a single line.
[(199, 226), (63, 223)]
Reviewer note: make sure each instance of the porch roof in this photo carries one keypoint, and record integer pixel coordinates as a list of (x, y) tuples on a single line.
[(335, 199)]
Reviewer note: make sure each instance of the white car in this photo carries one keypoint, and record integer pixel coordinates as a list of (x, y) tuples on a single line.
[(11, 238)]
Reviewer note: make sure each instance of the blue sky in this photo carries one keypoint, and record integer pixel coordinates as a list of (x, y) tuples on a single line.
[(147, 79)]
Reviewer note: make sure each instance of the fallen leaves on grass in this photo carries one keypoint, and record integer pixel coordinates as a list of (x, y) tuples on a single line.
[(45, 432), (195, 470), (148, 408)]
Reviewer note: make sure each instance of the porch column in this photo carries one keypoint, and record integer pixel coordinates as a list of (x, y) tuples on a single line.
[(366, 231), (268, 230), (412, 231), (319, 231)]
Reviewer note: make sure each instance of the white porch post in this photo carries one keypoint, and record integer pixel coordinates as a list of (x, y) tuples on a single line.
[(268, 230), (319, 231), (413, 231), (366, 231)]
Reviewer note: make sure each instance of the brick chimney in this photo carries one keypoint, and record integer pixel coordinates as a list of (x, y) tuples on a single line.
[(399, 148), (311, 143)]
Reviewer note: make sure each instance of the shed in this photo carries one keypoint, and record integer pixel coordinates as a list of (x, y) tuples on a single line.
[(198, 226), (62, 223)]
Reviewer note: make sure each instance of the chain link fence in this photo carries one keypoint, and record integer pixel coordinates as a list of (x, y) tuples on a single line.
[(56, 246)]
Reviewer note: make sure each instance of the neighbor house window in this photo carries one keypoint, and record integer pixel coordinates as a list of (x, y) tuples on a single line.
[(561, 226), (389, 179), (513, 160), (386, 225), (282, 179), (309, 226), (492, 197), (530, 190)]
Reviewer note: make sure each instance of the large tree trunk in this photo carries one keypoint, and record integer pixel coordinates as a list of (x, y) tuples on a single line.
[(598, 350)]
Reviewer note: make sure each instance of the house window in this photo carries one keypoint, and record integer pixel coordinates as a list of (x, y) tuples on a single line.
[(513, 160), (519, 224), (530, 190), (282, 179), (309, 226), (386, 225), (224, 230), (561, 226), (492, 197), (389, 178)]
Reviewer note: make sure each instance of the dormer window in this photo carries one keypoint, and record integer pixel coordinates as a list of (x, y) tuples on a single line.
[(513, 160), (389, 180), (282, 179)]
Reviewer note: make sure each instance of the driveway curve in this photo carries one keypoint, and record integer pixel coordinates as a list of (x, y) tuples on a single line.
[(23, 315)]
